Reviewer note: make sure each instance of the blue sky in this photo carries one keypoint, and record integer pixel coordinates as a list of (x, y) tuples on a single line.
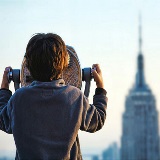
[(104, 32)]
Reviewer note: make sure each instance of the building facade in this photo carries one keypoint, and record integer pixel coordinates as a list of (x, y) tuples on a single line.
[(111, 153), (140, 137)]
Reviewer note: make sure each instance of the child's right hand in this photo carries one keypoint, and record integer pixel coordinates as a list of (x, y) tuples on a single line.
[(97, 75), (5, 82)]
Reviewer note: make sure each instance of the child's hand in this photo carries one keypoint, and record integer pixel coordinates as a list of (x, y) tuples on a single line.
[(5, 82), (97, 74)]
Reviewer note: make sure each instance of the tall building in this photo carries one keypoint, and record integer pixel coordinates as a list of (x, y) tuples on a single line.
[(140, 138), (111, 153)]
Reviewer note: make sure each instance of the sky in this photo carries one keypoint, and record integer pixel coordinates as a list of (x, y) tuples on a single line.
[(104, 32)]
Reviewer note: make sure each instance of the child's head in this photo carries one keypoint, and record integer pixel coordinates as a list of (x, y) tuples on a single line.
[(46, 56)]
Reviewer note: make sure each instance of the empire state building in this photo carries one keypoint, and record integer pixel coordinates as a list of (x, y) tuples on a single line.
[(140, 138)]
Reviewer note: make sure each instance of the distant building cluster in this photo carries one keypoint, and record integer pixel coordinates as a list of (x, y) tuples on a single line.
[(6, 158), (111, 153)]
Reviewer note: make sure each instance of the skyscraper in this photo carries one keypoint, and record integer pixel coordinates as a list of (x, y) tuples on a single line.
[(140, 138), (111, 153)]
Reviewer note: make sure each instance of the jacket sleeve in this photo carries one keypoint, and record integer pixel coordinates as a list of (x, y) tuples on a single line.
[(5, 110), (94, 115)]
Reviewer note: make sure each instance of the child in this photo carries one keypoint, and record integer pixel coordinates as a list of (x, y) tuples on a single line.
[(45, 117)]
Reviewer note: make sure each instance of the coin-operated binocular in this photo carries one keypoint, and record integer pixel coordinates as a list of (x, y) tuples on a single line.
[(72, 75)]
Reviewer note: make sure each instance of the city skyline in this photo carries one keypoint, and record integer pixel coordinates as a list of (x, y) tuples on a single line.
[(101, 32)]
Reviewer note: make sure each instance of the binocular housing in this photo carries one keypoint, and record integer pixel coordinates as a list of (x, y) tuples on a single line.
[(14, 75)]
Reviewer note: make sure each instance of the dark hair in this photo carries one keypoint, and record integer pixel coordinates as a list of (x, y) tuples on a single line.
[(46, 56)]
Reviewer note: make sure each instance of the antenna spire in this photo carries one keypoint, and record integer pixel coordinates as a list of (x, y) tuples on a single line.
[(140, 80), (140, 33)]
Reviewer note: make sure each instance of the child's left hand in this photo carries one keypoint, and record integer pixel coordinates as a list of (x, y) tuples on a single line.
[(5, 82)]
